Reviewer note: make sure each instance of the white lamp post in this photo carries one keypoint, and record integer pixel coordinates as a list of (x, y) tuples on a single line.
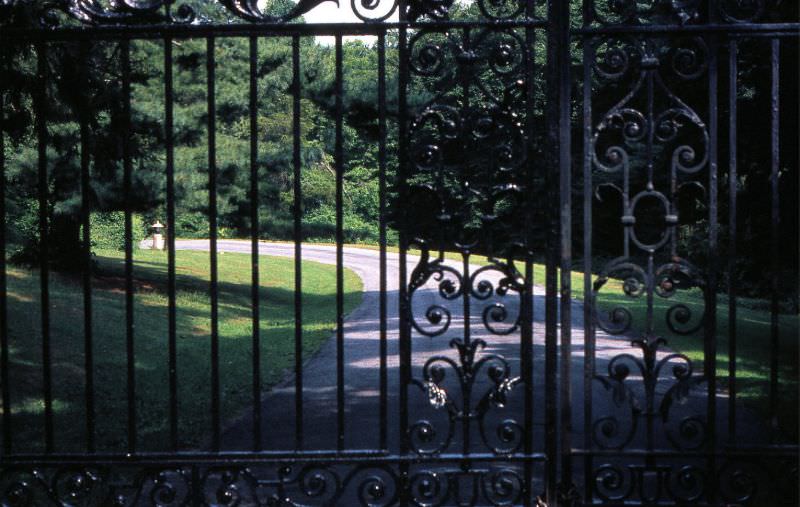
[(158, 238)]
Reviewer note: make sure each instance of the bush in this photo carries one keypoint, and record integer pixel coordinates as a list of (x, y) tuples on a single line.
[(320, 225), (23, 228), (107, 229), (191, 224)]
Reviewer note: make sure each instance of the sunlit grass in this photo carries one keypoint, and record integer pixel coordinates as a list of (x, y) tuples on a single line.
[(151, 344)]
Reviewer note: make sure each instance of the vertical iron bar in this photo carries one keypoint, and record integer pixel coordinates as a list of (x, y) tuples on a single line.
[(6, 392), (44, 268), (774, 232), (711, 324), (212, 226), (298, 275), (565, 221), (733, 91), (466, 393), (255, 283), (557, 57), (466, 290), (127, 184), (382, 231), (551, 264), (169, 143), (88, 349), (526, 306), (588, 300), (404, 346), (338, 160), (649, 320), (649, 387)]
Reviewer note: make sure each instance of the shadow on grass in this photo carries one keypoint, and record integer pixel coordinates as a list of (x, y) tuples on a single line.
[(150, 347)]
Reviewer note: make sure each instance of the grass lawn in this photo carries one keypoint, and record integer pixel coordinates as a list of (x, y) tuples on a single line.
[(277, 325), (151, 344)]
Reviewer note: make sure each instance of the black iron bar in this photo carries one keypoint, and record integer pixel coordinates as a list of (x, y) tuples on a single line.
[(298, 252), (724, 453), (526, 305), (650, 279), (743, 28), (710, 351), (650, 325), (275, 29), (565, 233), (255, 284), (466, 394), (158, 31), (339, 163), (382, 233), (552, 256), (404, 345), (465, 271), (86, 272), (212, 229), (775, 218), (4, 359), (588, 299), (733, 189), (125, 49), (169, 144), (265, 457), (248, 458), (44, 241)]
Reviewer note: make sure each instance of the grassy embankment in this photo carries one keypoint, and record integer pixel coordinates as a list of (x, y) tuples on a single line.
[(151, 344)]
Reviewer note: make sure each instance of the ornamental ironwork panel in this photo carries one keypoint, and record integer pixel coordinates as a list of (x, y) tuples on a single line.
[(564, 183), (660, 96)]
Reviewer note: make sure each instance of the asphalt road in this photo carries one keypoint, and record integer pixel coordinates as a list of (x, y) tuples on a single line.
[(361, 360)]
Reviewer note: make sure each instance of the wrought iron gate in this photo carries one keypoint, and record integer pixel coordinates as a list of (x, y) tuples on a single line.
[(497, 384)]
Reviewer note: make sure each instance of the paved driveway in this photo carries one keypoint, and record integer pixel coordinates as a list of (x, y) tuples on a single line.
[(362, 356)]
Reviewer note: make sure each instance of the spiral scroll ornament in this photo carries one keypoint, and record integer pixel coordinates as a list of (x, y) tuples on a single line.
[(650, 485), (160, 12), (484, 381), (468, 149)]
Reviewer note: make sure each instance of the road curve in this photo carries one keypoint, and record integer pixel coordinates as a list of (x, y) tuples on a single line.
[(361, 367)]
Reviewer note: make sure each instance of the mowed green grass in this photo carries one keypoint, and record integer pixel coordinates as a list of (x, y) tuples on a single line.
[(753, 340), (151, 344)]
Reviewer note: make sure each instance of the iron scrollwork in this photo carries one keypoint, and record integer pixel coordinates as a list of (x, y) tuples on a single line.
[(265, 484), (471, 365), (468, 182), (649, 148), (161, 12), (165, 12)]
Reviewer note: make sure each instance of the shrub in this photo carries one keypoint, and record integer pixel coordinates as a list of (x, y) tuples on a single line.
[(107, 229)]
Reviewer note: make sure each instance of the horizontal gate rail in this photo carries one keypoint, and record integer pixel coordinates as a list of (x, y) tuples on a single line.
[(146, 32)]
